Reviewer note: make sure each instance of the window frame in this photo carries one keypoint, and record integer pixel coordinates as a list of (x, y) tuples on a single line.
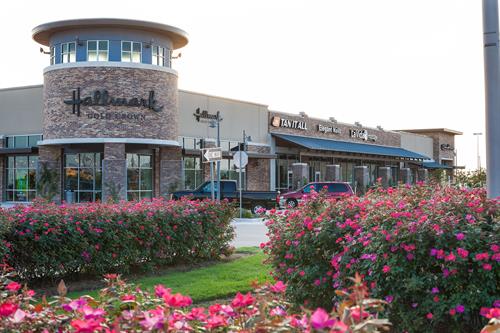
[(68, 53), (98, 50), (131, 52), (165, 56), (139, 192), (28, 189), (52, 55), (96, 169)]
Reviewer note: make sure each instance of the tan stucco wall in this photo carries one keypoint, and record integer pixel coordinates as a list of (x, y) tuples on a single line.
[(417, 143), (237, 116), (21, 110)]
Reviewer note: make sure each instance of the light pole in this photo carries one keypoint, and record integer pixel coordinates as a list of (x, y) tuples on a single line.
[(477, 148), (492, 85), (216, 123)]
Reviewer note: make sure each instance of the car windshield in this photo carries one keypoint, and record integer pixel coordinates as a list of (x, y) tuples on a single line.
[(208, 187)]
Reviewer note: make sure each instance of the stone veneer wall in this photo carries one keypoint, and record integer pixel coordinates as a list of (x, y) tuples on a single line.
[(384, 138), (170, 170), (114, 168), (120, 82), (258, 170)]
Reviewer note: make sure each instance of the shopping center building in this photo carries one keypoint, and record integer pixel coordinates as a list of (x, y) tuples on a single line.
[(110, 121)]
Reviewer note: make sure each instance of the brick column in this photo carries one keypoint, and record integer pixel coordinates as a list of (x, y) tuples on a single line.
[(114, 172), (385, 175), (49, 164), (206, 166), (300, 175), (258, 174), (423, 175), (405, 176), (170, 170), (332, 173), (361, 178)]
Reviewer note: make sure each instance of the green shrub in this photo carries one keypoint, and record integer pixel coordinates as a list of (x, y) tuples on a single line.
[(46, 240), (432, 252)]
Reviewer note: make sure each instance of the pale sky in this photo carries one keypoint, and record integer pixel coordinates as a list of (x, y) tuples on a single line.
[(395, 63)]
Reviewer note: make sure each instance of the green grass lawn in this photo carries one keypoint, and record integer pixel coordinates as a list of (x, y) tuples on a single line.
[(216, 281)]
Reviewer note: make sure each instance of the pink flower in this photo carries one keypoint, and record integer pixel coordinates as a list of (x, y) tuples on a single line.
[(279, 287), (460, 236), (357, 315), (482, 256), (216, 321), (302, 273), (87, 326), (450, 257), (240, 300), (487, 267), (6, 309), (429, 315), (128, 298), (320, 319), (177, 300), (277, 311), (13, 286), (19, 316), (462, 253), (160, 290), (386, 269), (435, 290), (452, 312), (460, 308), (389, 298)]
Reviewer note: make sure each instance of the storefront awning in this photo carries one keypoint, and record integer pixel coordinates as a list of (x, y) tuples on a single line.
[(29, 150), (435, 165), (350, 147)]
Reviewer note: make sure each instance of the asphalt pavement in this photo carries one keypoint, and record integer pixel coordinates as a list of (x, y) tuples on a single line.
[(249, 232)]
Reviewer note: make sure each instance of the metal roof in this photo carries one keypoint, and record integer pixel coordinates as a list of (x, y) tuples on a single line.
[(349, 147)]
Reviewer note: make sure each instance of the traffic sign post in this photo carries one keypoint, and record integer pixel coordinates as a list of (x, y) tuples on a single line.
[(240, 160), (210, 155)]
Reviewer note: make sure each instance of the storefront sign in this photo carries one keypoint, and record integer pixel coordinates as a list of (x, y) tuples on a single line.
[(329, 129), (102, 98), (446, 146), (204, 115), (362, 134), (287, 123)]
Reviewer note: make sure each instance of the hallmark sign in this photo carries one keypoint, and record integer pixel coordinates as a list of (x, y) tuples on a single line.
[(287, 123), (102, 98)]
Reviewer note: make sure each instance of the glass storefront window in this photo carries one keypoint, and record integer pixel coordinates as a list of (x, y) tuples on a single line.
[(139, 176), (83, 177), (23, 141), (21, 178), (283, 171), (192, 172)]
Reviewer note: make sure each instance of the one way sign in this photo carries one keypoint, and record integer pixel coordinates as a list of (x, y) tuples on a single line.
[(211, 154)]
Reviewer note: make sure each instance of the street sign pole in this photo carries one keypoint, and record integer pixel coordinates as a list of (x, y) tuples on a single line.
[(239, 175), (212, 180), (218, 162)]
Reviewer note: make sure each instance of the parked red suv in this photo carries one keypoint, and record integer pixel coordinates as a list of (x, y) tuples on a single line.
[(334, 190)]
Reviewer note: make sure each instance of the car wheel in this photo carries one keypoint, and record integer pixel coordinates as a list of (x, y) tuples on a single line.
[(291, 203), (256, 209)]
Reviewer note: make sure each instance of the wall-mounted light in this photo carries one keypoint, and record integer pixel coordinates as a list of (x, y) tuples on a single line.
[(302, 114), (43, 51), (380, 127), (357, 123), (78, 41), (149, 44), (333, 120), (177, 56)]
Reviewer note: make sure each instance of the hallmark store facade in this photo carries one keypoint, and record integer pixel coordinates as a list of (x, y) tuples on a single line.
[(109, 121)]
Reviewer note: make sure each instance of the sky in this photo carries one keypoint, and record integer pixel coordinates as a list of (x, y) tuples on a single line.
[(400, 64)]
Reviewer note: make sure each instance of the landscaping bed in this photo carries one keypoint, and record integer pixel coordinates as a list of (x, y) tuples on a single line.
[(431, 252)]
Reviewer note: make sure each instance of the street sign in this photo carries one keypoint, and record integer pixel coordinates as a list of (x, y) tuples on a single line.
[(240, 155), (211, 154)]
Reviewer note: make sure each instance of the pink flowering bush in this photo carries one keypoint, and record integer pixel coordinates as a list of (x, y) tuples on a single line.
[(432, 253), (122, 307), (47, 240)]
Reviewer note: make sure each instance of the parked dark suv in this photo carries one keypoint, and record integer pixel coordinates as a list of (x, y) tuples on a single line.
[(334, 190)]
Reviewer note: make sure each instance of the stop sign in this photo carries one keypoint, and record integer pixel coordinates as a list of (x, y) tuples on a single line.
[(240, 156)]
